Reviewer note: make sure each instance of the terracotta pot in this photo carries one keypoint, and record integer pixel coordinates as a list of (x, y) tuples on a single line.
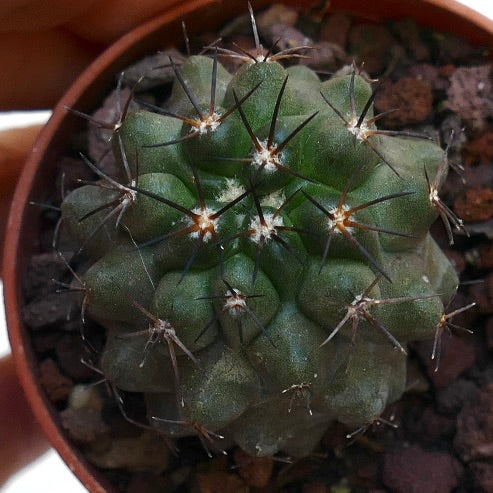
[(24, 225)]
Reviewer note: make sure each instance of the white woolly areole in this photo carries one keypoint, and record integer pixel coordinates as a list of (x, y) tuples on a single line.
[(265, 158), (434, 198), (208, 124), (205, 224), (338, 218), (235, 303), (361, 132), (231, 191), (162, 327), (274, 200), (264, 231)]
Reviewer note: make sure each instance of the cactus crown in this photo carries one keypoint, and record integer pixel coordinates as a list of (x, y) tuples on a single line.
[(263, 258)]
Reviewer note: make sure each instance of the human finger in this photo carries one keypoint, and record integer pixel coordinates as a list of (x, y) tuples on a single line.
[(15, 145), (21, 437)]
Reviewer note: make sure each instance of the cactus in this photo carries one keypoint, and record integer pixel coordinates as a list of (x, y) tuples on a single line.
[(264, 258)]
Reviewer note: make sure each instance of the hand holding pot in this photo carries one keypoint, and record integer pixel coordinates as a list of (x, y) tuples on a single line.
[(43, 47)]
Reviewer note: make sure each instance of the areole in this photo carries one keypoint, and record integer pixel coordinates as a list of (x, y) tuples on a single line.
[(446, 15)]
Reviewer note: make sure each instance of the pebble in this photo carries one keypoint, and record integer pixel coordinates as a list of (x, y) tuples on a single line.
[(417, 470), (371, 44), (412, 97), (474, 438), (83, 425), (470, 95), (335, 29), (56, 385), (476, 204), (255, 471)]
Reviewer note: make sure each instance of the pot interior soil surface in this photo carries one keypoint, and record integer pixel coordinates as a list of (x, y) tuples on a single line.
[(439, 436)]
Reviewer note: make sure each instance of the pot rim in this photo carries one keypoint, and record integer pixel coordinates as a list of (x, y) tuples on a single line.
[(473, 26)]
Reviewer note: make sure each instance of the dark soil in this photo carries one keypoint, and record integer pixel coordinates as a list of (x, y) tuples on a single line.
[(439, 437)]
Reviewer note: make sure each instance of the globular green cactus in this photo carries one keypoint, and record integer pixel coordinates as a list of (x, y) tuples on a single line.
[(265, 259)]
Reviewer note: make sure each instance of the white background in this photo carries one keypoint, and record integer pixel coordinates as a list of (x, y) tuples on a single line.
[(49, 474)]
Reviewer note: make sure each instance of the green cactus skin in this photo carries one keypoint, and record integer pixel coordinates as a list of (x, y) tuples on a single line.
[(284, 257)]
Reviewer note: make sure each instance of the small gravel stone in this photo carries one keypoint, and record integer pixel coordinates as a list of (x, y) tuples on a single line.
[(489, 333), (70, 351), (457, 355), (451, 399), (482, 293), (482, 474), (156, 70), (474, 438), (432, 74), (42, 268), (255, 471), (416, 470), (276, 14), (286, 37), (219, 482), (412, 97), (479, 150), (430, 427), (53, 309), (324, 56), (335, 29), (149, 483), (83, 425), (145, 452), (470, 95), (371, 44), (409, 34), (56, 385), (475, 205)]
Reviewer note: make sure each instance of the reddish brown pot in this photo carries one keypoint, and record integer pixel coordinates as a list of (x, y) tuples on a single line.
[(23, 225)]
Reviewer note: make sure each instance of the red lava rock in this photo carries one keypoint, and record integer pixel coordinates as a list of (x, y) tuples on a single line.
[(432, 74), (255, 471), (452, 399), (470, 95), (489, 333), (324, 56), (372, 45), (315, 488), (70, 350), (479, 150), (482, 474), (335, 29), (56, 385), (408, 33), (457, 355), (475, 205), (453, 49), (219, 482), (485, 256), (276, 14), (456, 259), (474, 438), (482, 293), (149, 483), (154, 76), (52, 309), (431, 427), (412, 97), (99, 139), (42, 269), (416, 470), (287, 37), (83, 425), (70, 171), (44, 341)]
